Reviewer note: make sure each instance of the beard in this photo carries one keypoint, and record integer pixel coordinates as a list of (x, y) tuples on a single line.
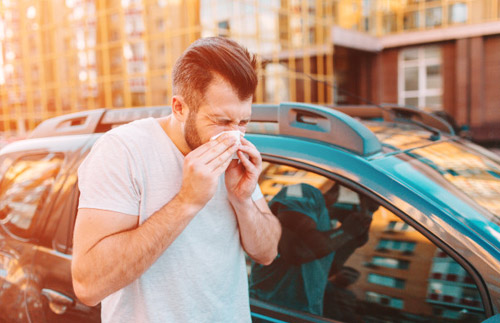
[(191, 134)]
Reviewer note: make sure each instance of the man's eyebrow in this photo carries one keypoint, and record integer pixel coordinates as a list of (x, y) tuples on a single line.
[(225, 118)]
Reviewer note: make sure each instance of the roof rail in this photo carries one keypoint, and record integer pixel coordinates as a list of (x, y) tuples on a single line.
[(408, 113), (70, 124), (394, 112), (319, 123), (292, 119), (94, 121)]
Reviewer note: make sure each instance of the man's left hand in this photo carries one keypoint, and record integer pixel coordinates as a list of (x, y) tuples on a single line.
[(241, 177)]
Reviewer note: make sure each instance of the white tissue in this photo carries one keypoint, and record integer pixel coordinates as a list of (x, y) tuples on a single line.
[(236, 133)]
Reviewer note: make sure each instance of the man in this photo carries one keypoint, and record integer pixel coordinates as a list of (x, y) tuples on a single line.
[(341, 302), (165, 213), (309, 248)]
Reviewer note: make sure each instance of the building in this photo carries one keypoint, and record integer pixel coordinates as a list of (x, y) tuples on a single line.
[(68, 55), (434, 55), (63, 56)]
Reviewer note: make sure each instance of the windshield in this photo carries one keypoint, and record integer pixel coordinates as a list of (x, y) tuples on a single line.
[(469, 169), (461, 178), (471, 172)]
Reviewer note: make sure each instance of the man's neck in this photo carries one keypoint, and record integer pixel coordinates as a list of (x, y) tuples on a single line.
[(173, 130)]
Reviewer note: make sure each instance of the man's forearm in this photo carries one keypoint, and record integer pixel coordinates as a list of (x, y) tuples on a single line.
[(259, 232), (118, 259)]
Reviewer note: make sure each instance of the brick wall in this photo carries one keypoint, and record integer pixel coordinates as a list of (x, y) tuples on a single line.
[(388, 76)]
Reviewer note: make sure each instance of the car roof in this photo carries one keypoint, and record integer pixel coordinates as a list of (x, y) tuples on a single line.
[(359, 132), (63, 144), (345, 127)]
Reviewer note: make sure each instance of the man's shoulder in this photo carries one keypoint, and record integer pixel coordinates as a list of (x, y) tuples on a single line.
[(141, 127), (135, 133)]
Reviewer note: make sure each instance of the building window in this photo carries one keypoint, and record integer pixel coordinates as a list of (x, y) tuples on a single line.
[(420, 80), (386, 281), (398, 226), (446, 268), (160, 24), (276, 83), (411, 20), (223, 28), (457, 13), (433, 17), (389, 262), (397, 245), (373, 297)]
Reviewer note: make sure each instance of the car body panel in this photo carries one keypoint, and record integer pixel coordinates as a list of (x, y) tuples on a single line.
[(34, 266), (420, 199), (35, 272)]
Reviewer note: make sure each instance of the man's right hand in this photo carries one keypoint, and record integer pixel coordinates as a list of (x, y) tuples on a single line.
[(202, 169), (356, 224)]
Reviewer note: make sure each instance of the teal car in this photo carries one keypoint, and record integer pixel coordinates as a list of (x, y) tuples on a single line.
[(427, 250)]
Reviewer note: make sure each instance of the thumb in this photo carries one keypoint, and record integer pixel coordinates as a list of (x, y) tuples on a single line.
[(233, 164)]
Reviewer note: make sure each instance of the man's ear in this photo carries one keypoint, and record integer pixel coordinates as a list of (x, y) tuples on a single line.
[(179, 108)]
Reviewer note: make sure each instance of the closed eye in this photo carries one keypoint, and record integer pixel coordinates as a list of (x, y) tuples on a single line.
[(224, 122)]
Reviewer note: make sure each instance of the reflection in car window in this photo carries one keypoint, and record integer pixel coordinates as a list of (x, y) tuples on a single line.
[(24, 188), (474, 174), (388, 273), (322, 224)]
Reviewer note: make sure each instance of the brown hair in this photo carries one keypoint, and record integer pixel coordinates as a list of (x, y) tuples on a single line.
[(208, 58)]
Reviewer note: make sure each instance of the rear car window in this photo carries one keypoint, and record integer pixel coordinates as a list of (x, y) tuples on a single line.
[(24, 189)]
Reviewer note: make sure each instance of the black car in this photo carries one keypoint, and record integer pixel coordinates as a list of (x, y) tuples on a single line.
[(431, 252)]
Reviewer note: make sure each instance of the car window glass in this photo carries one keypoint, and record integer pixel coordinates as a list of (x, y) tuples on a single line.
[(474, 174), (24, 189), (63, 238), (344, 257)]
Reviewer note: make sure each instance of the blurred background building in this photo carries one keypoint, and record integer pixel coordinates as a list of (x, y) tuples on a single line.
[(61, 56)]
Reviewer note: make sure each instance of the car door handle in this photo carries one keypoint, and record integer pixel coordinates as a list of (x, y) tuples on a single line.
[(58, 302)]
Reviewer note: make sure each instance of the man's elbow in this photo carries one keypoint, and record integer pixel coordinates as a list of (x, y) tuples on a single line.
[(268, 257), (269, 260), (85, 294), (272, 252), (85, 291)]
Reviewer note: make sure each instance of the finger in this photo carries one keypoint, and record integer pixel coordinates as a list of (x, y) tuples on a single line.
[(215, 148), (250, 167), (234, 163), (222, 168), (246, 143), (253, 154), (205, 147), (221, 159)]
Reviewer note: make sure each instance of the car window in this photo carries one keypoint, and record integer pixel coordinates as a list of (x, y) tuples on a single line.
[(467, 177), (24, 189), (63, 237), (344, 257)]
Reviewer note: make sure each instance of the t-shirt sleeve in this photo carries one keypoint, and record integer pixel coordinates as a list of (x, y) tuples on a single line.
[(257, 193), (107, 178)]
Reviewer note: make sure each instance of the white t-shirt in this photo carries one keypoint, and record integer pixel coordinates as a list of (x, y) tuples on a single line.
[(136, 169)]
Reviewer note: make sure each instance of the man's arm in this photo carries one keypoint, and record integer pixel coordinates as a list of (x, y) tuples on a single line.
[(260, 231), (111, 250), (301, 242)]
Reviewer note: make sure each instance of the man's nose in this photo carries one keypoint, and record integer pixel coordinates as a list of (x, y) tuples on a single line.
[(232, 127)]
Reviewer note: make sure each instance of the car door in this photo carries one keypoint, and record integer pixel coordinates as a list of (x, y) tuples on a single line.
[(52, 262), (25, 189), (390, 273)]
